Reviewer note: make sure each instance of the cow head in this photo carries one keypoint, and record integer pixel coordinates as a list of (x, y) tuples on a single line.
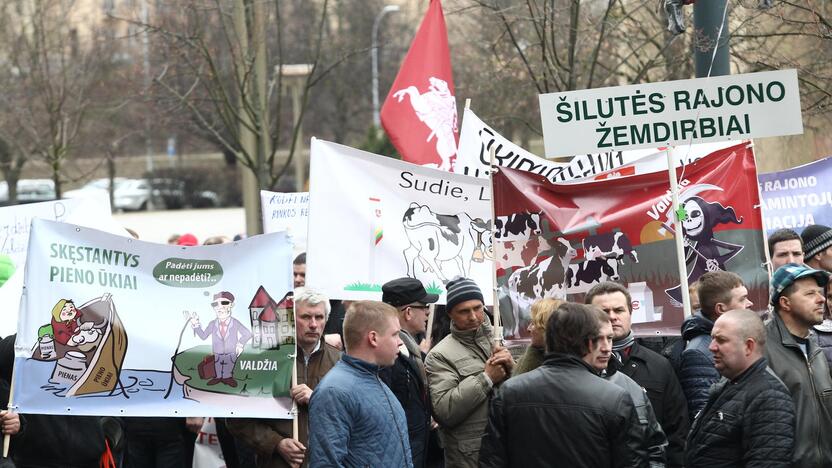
[(533, 222), (564, 250)]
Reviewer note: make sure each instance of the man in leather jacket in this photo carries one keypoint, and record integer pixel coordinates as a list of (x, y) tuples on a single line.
[(580, 420)]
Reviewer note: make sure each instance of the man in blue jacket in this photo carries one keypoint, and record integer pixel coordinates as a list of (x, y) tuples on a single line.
[(354, 418)]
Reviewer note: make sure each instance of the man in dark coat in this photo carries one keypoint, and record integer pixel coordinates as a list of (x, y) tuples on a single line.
[(407, 378), (562, 413), (646, 367), (719, 292), (749, 417)]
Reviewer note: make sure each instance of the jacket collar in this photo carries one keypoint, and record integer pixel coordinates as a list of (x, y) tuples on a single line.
[(752, 369), (786, 337), (471, 336), (567, 360), (360, 365)]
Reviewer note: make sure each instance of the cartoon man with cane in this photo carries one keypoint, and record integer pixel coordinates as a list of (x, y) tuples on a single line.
[(228, 337)]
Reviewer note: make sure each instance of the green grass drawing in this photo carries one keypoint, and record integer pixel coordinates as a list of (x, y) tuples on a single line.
[(434, 288), (359, 286)]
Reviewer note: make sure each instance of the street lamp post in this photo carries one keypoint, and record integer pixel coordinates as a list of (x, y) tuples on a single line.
[(374, 56)]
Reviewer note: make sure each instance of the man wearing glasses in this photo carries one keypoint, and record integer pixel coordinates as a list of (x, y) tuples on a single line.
[(407, 378), (228, 337)]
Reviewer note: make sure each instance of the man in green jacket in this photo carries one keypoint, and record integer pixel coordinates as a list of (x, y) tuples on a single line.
[(462, 370), (797, 294)]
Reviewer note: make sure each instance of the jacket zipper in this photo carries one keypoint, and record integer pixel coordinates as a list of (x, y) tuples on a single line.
[(814, 399)]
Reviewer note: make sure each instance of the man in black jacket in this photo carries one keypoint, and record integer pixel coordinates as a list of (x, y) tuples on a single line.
[(407, 378), (719, 292), (749, 419), (646, 367), (562, 413)]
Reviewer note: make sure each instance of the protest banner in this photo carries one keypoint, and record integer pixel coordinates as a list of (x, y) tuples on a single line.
[(619, 229), (477, 138), (286, 212), (15, 223), (373, 219), (207, 451), (115, 326), (797, 197), (671, 113)]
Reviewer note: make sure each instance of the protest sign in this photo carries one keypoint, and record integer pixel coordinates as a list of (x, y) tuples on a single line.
[(620, 230), (114, 326), (286, 212), (207, 451), (15, 223), (798, 197), (373, 219), (477, 139), (671, 113)]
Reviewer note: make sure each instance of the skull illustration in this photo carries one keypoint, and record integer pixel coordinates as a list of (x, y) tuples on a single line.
[(695, 221)]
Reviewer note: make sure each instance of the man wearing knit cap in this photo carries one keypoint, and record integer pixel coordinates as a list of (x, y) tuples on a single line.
[(817, 245), (797, 294), (463, 369)]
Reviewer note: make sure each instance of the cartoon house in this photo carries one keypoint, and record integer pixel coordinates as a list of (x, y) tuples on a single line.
[(271, 320)]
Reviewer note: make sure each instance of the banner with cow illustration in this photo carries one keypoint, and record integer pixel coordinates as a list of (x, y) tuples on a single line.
[(373, 219), (797, 197), (559, 240), (115, 326)]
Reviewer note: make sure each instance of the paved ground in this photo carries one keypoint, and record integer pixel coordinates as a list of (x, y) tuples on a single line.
[(157, 226)]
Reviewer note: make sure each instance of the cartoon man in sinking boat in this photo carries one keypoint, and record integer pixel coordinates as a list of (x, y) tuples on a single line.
[(228, 338)]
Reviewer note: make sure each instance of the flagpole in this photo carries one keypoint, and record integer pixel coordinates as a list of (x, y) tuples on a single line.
[(678, 234), (7, 438), (769, 266), (429, 330), (498, 329)]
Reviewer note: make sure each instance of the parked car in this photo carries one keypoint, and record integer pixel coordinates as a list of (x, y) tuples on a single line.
[(29, 191), (170, 191), (128, 194)]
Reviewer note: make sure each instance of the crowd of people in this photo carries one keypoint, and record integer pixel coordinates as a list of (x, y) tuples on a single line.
[(375, 387)]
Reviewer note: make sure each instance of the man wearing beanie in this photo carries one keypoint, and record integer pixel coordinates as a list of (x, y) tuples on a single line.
[(463, 369)]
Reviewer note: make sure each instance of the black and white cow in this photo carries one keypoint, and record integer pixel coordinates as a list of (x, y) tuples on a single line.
[(610, 244), (541, 280), (517, 226), (581, 276), (437, 238)]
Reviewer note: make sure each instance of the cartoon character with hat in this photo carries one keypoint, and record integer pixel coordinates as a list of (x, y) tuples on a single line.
[(228, 337)]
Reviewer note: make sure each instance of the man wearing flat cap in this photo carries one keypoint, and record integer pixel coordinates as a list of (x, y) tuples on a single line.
[(228, 337), (407, 378), (797, 295)]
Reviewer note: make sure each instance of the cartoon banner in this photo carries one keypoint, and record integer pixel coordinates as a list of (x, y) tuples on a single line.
[(373, 219), (286, 212), (115, 326), (15, 223), (798, 197), (559, 240)]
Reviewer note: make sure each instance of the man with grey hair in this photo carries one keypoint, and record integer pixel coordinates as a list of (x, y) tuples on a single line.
[(749, 418), (272, 438)]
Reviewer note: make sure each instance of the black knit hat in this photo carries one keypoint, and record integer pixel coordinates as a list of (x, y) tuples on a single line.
[(461, 290), (816, 239)]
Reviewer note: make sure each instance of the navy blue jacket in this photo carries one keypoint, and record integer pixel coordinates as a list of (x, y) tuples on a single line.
[(697, 372), (355, 420)]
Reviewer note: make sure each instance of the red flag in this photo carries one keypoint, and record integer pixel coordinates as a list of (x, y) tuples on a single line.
[(419, 114)]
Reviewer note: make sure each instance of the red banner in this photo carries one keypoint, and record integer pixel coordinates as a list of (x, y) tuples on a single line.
[(419, 114), (556, 240)]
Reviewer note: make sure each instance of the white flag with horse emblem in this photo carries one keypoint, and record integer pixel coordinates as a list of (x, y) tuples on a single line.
[(373, 219)]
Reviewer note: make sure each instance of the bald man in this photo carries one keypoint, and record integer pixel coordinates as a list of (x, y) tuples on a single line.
[(749, 419)]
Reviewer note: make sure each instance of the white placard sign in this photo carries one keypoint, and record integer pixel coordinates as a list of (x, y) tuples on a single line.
[(286, 212), (373, 219), (733, 107)]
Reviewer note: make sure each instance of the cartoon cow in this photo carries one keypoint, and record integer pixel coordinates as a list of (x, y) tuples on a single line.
[(437, 238), (541, 280), (615, 244), (520, 253), (580, 277), (517, 226)]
